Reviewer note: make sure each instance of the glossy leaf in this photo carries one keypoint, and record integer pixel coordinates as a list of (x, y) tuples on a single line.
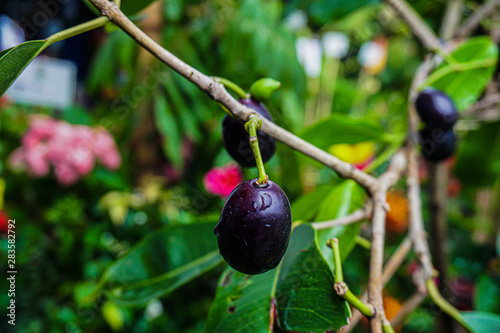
[(482, 322), (185, 114), (465, 87), (302, 286), (342, 200), (242, 303), (162, 262), (306, 207), (305, 297), (340, 128), (487, 294), (13, 61)]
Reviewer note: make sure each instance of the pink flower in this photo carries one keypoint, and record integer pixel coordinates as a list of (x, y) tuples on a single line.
[(222, 180), (17, 160), (105, 149), (41, 128), (37, 160), (71, 150), (65, 174)]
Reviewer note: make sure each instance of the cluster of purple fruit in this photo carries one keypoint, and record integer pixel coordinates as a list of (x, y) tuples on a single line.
[(439, 114), (256, 221)]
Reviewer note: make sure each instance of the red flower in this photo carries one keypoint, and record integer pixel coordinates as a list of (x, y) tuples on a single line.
[(4, 222), (221, 181)]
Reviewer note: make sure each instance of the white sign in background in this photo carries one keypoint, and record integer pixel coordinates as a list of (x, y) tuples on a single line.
[(45, 82)]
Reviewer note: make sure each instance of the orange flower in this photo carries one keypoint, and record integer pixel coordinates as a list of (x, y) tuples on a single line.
[(396, 220)]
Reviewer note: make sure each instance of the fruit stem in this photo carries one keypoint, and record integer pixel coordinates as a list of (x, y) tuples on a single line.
[(251, 126), (343, 291), (231, 86), (386, 327), (341, 287), (444, 305), (337, 262)]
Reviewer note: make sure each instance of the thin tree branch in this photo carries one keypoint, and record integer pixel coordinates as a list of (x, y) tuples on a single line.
[(376, 260), (416, 23), (395, 170), (396, 260), (218, 93), (417, 232), (358, 215), (490, 101), (408, 307), (451, 18), (386, 180), (438, 220), (475, 19), (392, 264)]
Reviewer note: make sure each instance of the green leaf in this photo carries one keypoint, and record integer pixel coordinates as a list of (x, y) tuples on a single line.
[(305, 297), (482, 322), (132, 7), (161, 263), (173, 10), (324, 11), (340, 128), (342, 200), (242, 303), (487, 294), (13, 61), (169, 129), (185, 114), (302, 286), (306, 206), (465, 86)]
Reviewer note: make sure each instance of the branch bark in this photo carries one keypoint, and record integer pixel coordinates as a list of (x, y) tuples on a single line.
[(408, 307), (451, 18), (358, 215), (376, 261), (217, 92), (416, 23), (473, 22), (438, 220), (417, 231), (390, 268)]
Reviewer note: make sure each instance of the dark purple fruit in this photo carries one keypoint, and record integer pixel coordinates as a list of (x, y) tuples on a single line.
[(236, 139), (254, 227), (437, 145), (436, 109)]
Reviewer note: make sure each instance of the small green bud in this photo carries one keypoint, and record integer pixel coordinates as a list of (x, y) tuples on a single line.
[(261, 90)]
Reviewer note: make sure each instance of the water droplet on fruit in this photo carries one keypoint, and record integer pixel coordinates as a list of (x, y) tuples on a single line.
[(267, 201)]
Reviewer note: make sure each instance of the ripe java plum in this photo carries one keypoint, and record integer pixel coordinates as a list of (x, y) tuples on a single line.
[(436, 109), (254, 227), (236, 139), (437, 145)]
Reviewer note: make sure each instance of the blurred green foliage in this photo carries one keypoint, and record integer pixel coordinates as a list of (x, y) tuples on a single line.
[(133, 250)]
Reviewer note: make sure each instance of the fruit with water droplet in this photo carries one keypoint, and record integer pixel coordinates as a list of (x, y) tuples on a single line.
[(236, 139), (436, 109), (254, 227)]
